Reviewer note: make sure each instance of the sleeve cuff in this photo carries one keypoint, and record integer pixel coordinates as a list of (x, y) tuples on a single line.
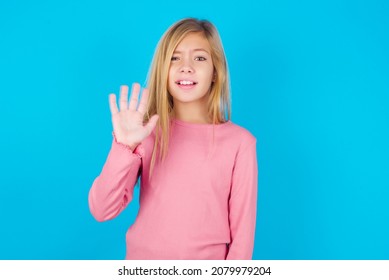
[(139, 150)]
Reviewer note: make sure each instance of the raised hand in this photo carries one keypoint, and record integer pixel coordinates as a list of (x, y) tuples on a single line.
[(128, 121)]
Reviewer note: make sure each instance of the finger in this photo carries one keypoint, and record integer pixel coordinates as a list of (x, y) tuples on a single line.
[(112, 104), (152, 123), (123, 103), (134, 96), (143, 101)]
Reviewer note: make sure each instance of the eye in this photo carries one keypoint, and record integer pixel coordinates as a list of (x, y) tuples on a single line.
[(200, 58), (174, 58)]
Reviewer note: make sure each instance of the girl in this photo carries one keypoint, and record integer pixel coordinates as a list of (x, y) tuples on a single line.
[(198, 170)]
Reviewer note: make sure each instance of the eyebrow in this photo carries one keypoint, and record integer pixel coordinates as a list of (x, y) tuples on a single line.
[(195, 50)]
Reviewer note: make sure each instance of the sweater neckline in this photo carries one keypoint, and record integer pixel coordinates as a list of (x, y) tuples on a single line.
[(199, 125)]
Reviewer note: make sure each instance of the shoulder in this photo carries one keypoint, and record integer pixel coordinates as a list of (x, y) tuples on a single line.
[(240, 135), (241, 132)]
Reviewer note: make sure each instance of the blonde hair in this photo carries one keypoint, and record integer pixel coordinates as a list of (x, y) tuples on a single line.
[(161, 102)]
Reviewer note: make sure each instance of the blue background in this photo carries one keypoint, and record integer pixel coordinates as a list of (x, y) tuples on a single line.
[(309, 80)]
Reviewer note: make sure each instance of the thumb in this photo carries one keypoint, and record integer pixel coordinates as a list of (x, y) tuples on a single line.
[(152, 123)]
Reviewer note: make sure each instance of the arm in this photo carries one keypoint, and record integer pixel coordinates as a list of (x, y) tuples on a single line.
[(113, 189), (243, 204)]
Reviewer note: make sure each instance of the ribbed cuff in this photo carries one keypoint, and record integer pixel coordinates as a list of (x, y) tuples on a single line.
[(139, 150)]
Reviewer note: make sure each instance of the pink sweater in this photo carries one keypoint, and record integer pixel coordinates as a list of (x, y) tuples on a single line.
[(200, 202)]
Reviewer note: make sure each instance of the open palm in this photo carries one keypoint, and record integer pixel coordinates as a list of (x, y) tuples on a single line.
[(127, 120)]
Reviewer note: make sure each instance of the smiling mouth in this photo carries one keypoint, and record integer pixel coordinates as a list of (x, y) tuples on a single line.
[(186, 83)]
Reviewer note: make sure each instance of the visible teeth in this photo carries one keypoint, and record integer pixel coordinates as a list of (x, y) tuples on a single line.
[(185, 83)]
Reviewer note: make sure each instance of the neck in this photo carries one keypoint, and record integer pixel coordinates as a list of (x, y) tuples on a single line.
[(189, 113)]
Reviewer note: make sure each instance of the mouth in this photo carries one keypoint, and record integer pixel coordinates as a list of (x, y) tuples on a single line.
[(186, 84)]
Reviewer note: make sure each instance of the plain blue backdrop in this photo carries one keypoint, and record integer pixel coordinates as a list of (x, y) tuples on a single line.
[(309, 80)]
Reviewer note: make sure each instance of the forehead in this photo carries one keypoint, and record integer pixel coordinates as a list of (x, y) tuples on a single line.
[(194, 41)]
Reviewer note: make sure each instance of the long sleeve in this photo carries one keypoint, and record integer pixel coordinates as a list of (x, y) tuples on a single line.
[(243, 204), (113, 189)]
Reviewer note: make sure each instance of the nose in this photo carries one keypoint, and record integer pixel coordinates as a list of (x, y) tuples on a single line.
[(186, 66)]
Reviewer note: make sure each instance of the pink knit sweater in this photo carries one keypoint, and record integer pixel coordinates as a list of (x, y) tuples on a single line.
[(200, 202)]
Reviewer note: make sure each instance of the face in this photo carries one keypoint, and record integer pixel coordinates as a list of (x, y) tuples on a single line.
[(191, 70)]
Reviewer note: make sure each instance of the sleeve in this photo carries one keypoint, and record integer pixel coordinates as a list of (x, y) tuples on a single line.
[(113, 189), (243, 204)]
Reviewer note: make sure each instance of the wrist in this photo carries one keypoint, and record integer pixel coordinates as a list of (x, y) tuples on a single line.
[(130, 147)]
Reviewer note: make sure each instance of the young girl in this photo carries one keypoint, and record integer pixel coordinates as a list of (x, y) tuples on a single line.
[(198, 170)]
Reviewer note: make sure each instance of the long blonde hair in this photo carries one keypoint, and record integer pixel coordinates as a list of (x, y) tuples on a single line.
[(160, 100)]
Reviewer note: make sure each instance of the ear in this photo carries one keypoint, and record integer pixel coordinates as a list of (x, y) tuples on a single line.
[(214, 77)]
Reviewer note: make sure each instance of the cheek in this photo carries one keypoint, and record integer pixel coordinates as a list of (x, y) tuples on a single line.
[(210, 74), (210, 70), (170, 77)]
